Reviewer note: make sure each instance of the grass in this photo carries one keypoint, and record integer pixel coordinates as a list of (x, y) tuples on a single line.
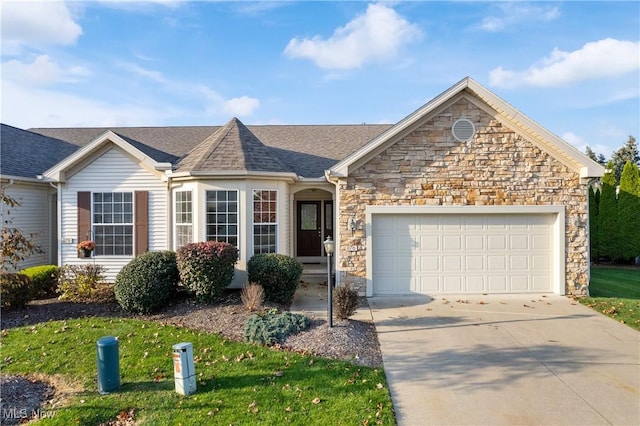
[(615, 292), (237, 383)]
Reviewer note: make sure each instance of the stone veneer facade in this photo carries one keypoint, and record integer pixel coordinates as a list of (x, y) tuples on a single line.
[(430, 168)]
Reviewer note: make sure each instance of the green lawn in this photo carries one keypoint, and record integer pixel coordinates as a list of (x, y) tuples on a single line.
[(615, 292), (237, 383)]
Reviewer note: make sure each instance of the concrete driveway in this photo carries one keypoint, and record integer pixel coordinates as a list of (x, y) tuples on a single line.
[(507, 360)]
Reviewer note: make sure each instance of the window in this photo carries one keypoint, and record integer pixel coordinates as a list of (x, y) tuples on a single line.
[(184, 224), (265, 225), (222, 216), (113, 223)]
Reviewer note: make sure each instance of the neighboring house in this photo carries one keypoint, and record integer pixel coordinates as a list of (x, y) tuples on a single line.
[(464, 195), (25, 155)]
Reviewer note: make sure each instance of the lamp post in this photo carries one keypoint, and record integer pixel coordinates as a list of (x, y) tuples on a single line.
[(329, 246)]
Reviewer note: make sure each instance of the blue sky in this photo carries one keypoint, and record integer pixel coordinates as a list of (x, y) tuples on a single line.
[(574, 67)]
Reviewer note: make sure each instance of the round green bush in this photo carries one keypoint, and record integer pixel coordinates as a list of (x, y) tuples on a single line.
[(278, 274), (147, 283), (44, 280), (15, 290), (206, 268)]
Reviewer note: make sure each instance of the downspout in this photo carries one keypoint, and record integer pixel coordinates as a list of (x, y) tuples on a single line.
[(55, 186), (169, 211)]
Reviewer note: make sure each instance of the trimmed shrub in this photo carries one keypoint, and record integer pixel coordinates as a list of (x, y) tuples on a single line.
[(15, 290), (271, 327), (77, 283), (148, 282), (278, 274), (252, 296), (345, 301), (206, 268), (44, 280)]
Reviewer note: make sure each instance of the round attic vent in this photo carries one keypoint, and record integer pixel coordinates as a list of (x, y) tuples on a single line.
[(463, 130)]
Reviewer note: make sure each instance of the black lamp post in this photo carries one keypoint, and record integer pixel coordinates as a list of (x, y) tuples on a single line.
[(329, 246)]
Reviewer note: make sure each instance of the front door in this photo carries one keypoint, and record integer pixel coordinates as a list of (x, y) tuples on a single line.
[(309, 228)]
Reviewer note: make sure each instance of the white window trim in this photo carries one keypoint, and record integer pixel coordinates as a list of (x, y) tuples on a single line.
[(238, 213), (253, 223), (175, 217), (132, 224)]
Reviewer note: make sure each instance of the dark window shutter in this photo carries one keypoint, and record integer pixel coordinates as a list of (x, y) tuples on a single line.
[(141, 223), (84, 216)]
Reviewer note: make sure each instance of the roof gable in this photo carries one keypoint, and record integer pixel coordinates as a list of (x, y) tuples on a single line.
[(96, 147), (483, 98)]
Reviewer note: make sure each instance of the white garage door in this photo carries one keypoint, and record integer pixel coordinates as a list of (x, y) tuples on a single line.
[(461, 253)]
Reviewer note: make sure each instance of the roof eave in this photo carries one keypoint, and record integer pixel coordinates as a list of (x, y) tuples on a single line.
[(235, 174)]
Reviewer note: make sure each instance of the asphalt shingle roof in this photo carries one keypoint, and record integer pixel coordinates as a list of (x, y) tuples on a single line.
[(307, 150), (28, 154), (231, 148)]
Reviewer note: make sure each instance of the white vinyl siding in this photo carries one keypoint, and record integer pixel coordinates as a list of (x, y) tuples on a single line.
[(33, 216), (113, 171)]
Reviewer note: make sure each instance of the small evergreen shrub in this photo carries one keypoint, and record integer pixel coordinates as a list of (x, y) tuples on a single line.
[(206, 268), (278, 274), (44, 280), (15, 290), (345, 301), (77, 283), (252, 296), (148, 282), (272, 327)]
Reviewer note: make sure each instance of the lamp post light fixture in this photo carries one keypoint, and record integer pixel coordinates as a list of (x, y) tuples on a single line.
[(329, 246)]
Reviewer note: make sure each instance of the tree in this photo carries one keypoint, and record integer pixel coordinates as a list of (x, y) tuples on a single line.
[(15, 245), (594, 197), (629, 152), (598, 158), (608, 215), (629, 212)]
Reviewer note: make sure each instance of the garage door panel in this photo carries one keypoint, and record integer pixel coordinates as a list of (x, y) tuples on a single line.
[(497, 283), (474, 242), (451, 242), (453, 284), (519, 263), (540, 242), (519, 242), (455, 253), (519, 283), (475, 284), (474, 263), (496, 242), (497, 262)]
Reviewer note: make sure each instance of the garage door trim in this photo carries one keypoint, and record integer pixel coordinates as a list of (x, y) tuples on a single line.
[(558, 231)]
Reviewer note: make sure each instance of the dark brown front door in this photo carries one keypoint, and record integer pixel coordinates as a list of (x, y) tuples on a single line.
[(309, 233)]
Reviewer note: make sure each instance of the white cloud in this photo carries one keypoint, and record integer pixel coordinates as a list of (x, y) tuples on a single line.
[(42, 71), (156, 76), (514, 13), (376, 35), (241, 106), (37, 24), (41, 107), (599, 59)]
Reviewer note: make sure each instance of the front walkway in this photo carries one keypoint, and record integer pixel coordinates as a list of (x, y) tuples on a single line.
[(311, 299)]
